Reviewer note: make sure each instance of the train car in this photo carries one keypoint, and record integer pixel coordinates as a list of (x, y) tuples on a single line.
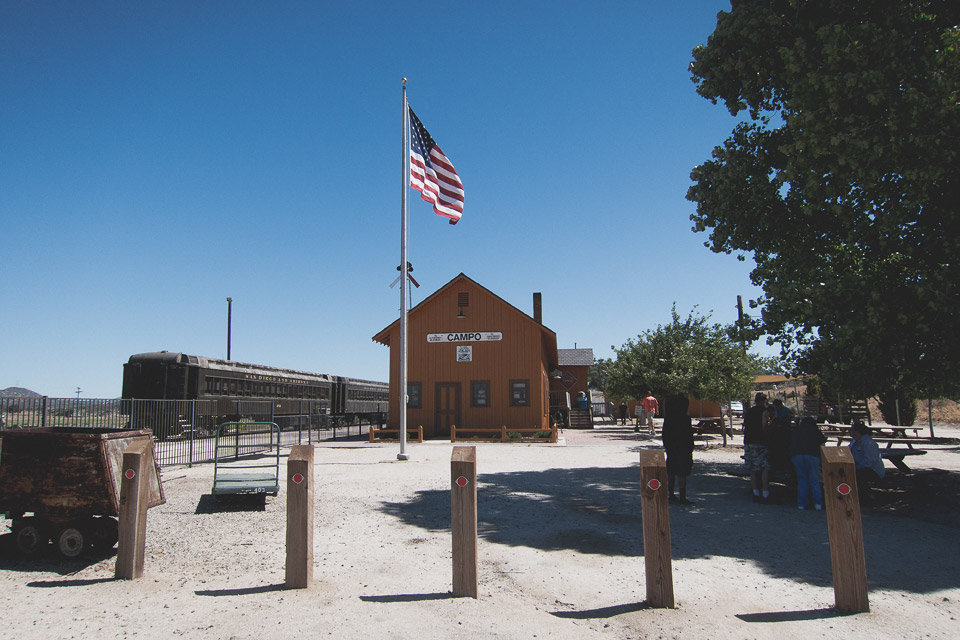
[(360, 400), (235, 389)]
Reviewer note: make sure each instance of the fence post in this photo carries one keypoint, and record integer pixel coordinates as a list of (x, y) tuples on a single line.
[(656, 529), (43, 412), (299, 568), (842, 502), (132, 528), (463, 503), (193, 430)]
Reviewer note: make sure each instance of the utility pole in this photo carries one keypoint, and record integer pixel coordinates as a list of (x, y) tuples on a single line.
[(743, 343), (229, 318)]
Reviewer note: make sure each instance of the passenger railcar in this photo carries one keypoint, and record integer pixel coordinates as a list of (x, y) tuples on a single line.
[(326, 399)]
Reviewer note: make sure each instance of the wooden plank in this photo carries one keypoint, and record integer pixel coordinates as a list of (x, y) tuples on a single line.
[(463, 504), (656, 528), (132, 528), (842, 504), (299, 566)]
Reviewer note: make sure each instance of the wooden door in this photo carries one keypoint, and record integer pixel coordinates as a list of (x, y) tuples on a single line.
[(447, 407)]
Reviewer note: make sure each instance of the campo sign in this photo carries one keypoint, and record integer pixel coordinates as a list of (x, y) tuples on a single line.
[(466, 336)]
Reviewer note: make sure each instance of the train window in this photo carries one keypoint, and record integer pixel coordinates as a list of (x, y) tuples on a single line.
[(479, 393), (413, 395), (519, 393)]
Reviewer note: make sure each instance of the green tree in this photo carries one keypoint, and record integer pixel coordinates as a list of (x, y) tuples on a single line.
[(842, 182), (687, 356), (598, 375)]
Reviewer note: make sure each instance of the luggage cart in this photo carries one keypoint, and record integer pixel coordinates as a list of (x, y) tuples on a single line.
[(247, 460)]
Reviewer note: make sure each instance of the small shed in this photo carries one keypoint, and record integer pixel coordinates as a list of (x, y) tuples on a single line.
[(573, 366), (473, 360)]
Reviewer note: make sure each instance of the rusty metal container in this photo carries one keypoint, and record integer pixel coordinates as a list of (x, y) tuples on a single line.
[(69, 479)]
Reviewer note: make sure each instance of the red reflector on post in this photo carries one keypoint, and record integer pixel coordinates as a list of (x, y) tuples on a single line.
[(462, 481), (844, 489)]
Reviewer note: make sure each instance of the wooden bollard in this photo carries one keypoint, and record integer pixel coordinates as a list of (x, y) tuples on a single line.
[(842, 503), (132, 528), (463, 503), (299, 570), (656, 528)]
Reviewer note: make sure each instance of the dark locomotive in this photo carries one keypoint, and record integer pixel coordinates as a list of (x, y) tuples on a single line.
[(235, 390)]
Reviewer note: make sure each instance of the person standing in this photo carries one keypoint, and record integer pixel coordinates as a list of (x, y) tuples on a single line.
[(650, 408), (677, 434), (805, 442), (623, 413), (756, 453)]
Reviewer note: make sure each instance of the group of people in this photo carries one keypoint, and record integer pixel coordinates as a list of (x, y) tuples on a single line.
[(805, 440), (646, 409)]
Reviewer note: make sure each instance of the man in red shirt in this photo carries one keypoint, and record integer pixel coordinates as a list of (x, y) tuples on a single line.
[(650, 408)]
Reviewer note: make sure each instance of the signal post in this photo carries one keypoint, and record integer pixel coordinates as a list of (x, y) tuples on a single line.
[(656, 529), (842, 503), (463, 503)]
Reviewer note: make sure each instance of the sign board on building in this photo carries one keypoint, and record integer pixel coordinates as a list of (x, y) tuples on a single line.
[(568, 379), (465, 354), (465, 336)]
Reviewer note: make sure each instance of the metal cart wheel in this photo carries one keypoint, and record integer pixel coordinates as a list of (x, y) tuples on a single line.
[(71, 541), (29, 535), (103, 532)]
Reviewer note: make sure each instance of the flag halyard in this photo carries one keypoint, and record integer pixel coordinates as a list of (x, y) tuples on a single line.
[(432, 173)]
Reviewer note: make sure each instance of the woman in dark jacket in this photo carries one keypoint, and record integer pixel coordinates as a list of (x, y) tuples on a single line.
[(678, 442), (805, 443)]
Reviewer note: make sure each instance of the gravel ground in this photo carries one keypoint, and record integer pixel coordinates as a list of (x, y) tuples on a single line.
[(560, 554)]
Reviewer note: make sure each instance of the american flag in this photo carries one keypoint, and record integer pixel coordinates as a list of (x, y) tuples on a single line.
[(432, 174)]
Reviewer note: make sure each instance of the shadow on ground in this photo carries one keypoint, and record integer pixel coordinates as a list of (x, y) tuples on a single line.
[(209, 503), (597, 510), (46, 559)]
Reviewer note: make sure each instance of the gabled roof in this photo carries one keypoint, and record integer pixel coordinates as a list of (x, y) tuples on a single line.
[(383, 337), (575, 357)]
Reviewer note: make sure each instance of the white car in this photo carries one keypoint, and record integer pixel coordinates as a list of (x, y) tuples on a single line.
[(735, 408)]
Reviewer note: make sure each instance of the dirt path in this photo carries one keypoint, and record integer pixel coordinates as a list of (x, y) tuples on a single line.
[(560, 555)]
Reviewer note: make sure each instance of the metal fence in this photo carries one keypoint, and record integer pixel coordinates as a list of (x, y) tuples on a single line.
[(184, 431)]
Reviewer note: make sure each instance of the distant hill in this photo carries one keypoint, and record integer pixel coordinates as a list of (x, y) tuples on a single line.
[(18, 392)]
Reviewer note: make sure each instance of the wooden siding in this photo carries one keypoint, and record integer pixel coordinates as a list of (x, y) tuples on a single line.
[(523, 353)]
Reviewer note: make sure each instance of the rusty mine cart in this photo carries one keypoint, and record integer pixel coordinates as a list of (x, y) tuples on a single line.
[(69, 480)]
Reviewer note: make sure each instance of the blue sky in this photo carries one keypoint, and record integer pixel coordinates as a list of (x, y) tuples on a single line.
[(157, 157)]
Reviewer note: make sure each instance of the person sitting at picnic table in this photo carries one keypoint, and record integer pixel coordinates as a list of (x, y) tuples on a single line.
[(866, 457), (781, 411), (805, 442)]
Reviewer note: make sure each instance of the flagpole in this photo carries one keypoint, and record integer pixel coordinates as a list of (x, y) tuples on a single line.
[(403, 280)]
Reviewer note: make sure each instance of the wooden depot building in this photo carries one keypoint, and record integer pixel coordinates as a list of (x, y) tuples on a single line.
[(473, 360)]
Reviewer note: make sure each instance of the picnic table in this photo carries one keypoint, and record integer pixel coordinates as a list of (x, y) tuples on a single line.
[(712, 424), (894, 454)]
